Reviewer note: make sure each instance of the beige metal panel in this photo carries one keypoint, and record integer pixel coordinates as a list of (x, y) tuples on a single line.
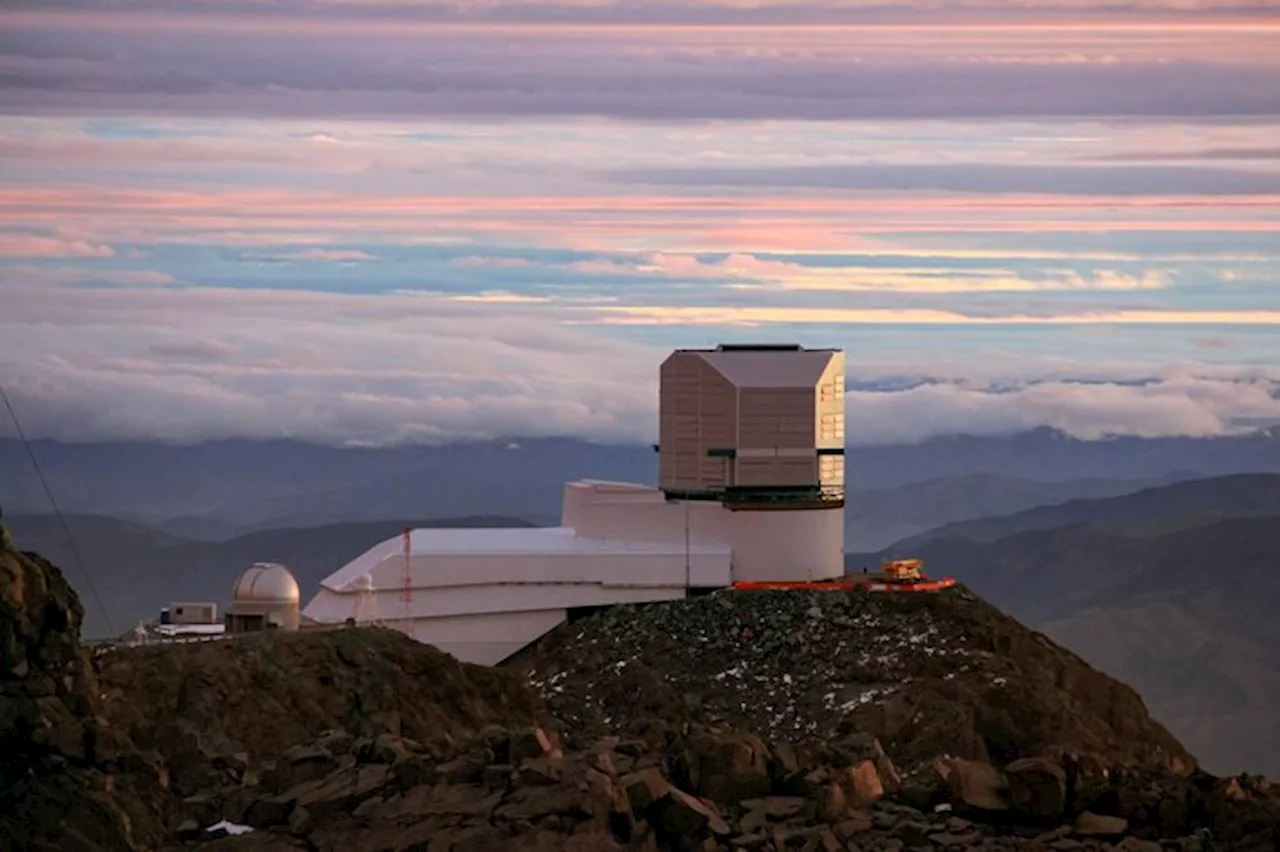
[(697, 413), (788, 546), (775, 418), (593, 515), (284, 615), (184, 612)]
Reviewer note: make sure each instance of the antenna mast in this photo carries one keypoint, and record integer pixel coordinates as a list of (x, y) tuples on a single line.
[(406, 584)]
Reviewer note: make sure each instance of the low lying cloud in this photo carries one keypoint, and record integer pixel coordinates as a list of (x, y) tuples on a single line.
[(202, 364), (196, 364), (1175, 405)]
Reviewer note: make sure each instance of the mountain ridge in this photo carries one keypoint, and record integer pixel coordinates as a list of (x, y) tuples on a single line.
[(1184, 612), (1187, 502), (290, 480)]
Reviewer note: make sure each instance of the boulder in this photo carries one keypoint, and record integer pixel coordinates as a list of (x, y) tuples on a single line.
[(538, 770), (859, 822), (307, 763), (727, 766), (465, 768), (532, 742), (270, 810), (777, 807), (1089, 824), (343, 790), (913, 832), (977, 785), (862, 785), (388, 748), (1037, 788), (679, 815), (413, 771), (498, 776), (643, 788)]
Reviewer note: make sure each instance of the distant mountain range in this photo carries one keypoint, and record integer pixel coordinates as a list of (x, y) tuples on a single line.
[(221, 489), (878, 518), (1147, 510), (1173, 590)]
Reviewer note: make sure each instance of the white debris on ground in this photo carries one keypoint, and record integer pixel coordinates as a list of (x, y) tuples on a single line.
[(786, 664), (229, 827)]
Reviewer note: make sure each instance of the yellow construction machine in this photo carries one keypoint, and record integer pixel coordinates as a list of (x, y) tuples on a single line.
[(902, 570)]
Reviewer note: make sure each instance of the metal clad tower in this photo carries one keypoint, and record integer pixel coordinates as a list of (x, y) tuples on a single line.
[(760, 429)]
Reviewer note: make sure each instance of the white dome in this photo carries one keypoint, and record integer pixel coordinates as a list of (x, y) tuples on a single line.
[(363, 583), (267, 582)]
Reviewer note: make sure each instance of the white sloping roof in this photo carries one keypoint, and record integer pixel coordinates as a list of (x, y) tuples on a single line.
[(509, 541), (536, 540), (770, 369)]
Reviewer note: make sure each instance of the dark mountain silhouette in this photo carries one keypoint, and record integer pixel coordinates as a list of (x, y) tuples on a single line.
[(1155, 509), (878, 518)]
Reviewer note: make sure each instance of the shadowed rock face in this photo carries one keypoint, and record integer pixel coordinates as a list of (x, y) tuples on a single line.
[(258, 695), (68, 778), (361, 739)]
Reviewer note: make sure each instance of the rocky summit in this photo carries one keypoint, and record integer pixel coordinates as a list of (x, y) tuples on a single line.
[(762, 720), (931, 675)]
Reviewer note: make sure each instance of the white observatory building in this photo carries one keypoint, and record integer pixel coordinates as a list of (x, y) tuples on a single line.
[(750, 487), (265, 597)]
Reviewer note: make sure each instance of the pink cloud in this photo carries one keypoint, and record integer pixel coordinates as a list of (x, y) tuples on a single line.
[(32, 246), (329, 255)]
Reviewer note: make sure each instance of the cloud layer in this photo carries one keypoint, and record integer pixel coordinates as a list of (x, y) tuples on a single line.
[(285, 60), (353, 221), (185, 366)]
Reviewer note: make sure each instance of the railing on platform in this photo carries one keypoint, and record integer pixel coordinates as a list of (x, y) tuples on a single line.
[(779, 497)]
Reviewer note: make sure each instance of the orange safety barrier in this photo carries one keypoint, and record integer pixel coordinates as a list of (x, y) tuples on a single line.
[(845, 585), (813, 585)]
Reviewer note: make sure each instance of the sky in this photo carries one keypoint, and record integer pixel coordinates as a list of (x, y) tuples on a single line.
[(363, 222)]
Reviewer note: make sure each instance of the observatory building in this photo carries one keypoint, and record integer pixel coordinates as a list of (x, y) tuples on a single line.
[(750, 487), (265, 597)]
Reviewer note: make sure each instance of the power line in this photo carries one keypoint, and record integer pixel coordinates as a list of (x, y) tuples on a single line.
[(75, 549)]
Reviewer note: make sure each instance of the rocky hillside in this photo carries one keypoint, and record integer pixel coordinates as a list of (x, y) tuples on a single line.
[(737, 721), (930, 675), (213, 705)]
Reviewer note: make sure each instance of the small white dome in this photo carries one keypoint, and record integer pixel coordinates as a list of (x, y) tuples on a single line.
[(363, 583), (267, 582)]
